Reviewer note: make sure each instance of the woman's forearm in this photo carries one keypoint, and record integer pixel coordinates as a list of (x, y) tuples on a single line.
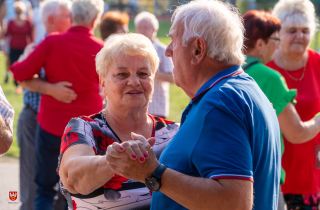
[(81, 171), (295, 130)]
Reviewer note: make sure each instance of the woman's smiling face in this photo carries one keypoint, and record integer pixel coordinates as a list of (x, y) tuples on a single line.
[(128, 82)]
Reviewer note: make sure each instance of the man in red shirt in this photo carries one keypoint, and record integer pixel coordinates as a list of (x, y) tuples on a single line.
[(65, 57)]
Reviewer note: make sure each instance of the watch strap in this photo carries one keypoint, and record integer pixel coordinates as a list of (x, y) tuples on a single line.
[(159, 171)]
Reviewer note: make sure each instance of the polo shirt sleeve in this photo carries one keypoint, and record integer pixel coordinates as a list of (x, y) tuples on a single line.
[(33, 63), (223, 149)]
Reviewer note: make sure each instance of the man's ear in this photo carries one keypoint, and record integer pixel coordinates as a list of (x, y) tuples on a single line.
[(51, 20), (199, 51)]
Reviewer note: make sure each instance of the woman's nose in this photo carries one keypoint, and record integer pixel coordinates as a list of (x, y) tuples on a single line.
[(133, 81)]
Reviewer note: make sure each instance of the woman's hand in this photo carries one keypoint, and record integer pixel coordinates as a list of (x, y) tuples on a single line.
[(121, 161), (135, 149)]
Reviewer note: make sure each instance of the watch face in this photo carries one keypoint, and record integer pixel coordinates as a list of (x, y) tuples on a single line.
[(152, 184)]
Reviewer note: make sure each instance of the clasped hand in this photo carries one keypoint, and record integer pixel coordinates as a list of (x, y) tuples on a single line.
[(133, 159)]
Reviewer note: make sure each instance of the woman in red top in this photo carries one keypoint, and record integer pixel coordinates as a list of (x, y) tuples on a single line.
[(300, 66), (20, 31)]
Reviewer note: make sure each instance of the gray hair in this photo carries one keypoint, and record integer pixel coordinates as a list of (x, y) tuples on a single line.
[(87, 10), (297, 13), (147, 16), (52, 7), (218, 23), (130, 44)]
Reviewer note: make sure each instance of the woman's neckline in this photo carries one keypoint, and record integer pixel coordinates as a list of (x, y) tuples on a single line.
[(115, 134)]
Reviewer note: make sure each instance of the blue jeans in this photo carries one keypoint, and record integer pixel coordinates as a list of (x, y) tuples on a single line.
[(47, 151)]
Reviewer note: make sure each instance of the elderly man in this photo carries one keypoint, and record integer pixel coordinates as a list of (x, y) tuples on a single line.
[(65, 57), (228, 145), (6, 123), (148, 25), (56, 17)]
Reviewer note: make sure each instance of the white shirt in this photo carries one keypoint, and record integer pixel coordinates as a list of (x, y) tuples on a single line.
[(6, 110), (160, 103)]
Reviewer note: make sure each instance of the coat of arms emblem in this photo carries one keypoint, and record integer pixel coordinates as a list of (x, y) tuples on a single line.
[(13, 195)]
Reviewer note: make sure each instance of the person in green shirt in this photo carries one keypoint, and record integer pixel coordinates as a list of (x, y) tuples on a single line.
[(261, 40)]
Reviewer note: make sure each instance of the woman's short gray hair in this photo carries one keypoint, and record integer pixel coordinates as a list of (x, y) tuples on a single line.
[(87, 10), (220, 24), (297, 13), (147, 16), (130, 44), (52, 7)]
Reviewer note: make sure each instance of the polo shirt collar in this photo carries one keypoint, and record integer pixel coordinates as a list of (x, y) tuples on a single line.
[(81, 29), (232, 71)]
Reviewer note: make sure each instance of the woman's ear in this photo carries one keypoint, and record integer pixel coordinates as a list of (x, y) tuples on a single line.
[(260, 44), (103, 86), (199, 51)]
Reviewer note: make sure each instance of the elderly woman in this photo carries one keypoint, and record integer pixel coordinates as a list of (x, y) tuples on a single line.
[(262, 39), (20, 31), (300, 66), (113, 22), (126, 66)]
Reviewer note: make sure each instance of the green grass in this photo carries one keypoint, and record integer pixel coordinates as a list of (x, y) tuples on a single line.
[(178, 99)]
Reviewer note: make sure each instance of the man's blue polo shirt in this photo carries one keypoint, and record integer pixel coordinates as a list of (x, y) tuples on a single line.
[(228, 131)]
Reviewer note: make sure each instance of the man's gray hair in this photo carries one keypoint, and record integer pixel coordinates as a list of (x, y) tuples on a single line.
[(52, 7), (147, 16), (87, 10), (218, 23), (300, 13)]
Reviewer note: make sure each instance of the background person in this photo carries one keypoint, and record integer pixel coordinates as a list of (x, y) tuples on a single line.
[(229, 143), (6, 123), (148, 25), (126, 66), (56, 17), (300, 66), (7, 13), (79, 69), (113, 22), (262, 39), (20, 32)]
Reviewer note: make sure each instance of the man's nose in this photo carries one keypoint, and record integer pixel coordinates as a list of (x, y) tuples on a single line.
[(168, 51)]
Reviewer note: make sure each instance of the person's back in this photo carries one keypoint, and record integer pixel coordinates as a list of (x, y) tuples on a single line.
[(66, 57), (76, 65), (241, 109)]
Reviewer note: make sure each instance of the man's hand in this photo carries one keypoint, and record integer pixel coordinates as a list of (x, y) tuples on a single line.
[(122, 163), (61, 92)]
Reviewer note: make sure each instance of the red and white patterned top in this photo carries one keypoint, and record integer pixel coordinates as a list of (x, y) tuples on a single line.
[(118, 192)]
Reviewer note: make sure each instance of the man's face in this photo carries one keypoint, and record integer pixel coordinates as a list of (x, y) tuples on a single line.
[(62, 22), (181, 57), (145, 28)]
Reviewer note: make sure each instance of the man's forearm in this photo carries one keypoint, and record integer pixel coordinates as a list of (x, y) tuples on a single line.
[(6, 136), (37, 85), (204, 193)]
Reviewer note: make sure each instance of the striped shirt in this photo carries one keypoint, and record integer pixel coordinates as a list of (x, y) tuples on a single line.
[(6, 110)]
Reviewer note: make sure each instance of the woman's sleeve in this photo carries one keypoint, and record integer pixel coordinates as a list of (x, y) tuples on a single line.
[(285, 95), (77, 131)]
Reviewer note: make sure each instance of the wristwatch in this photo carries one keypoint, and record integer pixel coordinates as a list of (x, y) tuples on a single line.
[(153, 183)]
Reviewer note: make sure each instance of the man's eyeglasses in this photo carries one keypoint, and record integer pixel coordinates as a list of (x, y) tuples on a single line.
[(275, 38)]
